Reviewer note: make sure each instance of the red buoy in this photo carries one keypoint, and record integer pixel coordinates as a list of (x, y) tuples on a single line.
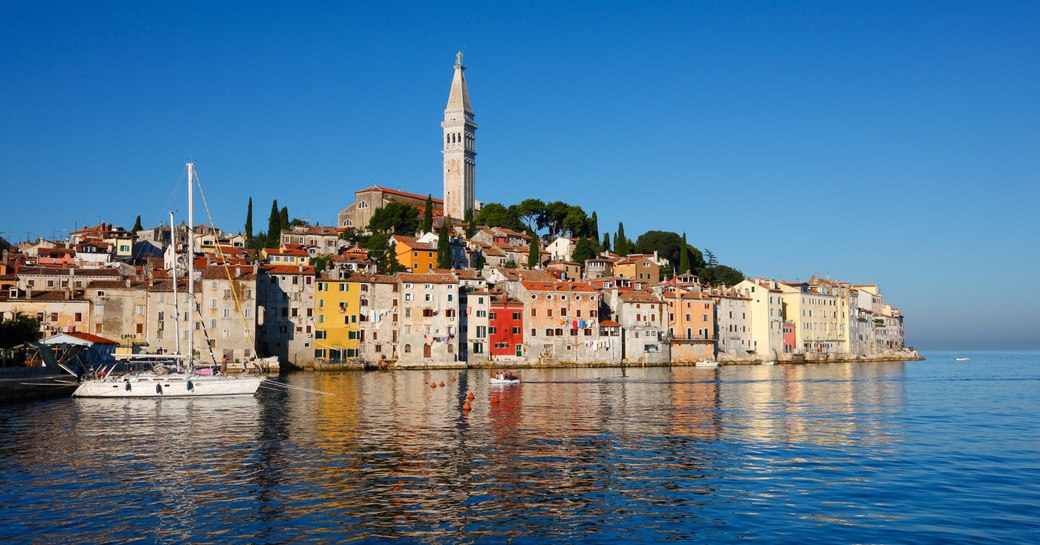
[(433, 385), (470, 396), (465, 406), (494, 400), (442, 384)]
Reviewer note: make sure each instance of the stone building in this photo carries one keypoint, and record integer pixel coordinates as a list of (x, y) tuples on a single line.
[(429, 317), (286, 300), (379, 301)]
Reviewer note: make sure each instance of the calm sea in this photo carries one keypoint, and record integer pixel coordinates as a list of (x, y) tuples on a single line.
[(937, 451)]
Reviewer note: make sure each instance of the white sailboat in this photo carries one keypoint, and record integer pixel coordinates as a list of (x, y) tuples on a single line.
[(169, 376)]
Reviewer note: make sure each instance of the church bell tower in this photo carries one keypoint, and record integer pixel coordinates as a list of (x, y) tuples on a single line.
[(459, 147)]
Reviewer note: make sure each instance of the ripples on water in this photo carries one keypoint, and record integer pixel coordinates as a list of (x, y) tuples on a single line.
[(921, 452)]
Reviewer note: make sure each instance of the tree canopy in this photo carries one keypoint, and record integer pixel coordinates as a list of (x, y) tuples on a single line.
[(18, 330), (395, 217), (584, 249)]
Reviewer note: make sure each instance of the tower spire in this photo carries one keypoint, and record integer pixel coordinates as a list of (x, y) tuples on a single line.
[(459, 146)]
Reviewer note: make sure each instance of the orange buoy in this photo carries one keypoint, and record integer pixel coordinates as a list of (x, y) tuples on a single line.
[(465, 406), (494, 399), (442, 384), (470, 396), (433, 385), (453, 379)]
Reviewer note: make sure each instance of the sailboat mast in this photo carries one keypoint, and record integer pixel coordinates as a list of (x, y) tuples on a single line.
[(176, 305), (191, 266)]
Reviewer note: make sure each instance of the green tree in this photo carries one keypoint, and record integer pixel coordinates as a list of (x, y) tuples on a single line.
[(494, 214), (471, 227), (444, 245), (666, 243), (726, 275), (533, 252), (592, 230), (320, 263), (377, 245), (622, 246), (249, 219), (283, 219), (274, 226), (555, 214), (684, 257), (584, 249), (606, 241), (395, 218), (137, 225), (427, 221), (529, 211), (18, 330), (392, 264), (575, 223)]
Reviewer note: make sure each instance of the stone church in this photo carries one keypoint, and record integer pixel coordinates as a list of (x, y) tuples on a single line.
[(459, 150)]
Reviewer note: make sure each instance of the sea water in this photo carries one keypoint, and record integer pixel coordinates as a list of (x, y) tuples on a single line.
[(934, 451)]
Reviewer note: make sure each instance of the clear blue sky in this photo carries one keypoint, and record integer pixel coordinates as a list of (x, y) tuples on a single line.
[(896, 143)]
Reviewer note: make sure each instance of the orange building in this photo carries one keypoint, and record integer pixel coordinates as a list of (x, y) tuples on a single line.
[(416, 257)]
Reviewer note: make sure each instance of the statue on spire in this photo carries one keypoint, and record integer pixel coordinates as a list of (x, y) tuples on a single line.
[(458, 58)]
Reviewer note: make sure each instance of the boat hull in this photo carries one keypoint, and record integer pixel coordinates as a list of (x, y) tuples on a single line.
[(158, 386), (504, 382)]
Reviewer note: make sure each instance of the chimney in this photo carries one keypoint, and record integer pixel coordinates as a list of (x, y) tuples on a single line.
[(238, 271)]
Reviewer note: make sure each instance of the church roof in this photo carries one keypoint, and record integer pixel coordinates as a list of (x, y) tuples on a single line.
[(459, 97)]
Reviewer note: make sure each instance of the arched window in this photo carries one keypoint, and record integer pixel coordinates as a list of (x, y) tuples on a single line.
[(407, 349), (362, 204)]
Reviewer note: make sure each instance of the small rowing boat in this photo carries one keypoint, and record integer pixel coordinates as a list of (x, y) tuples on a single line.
[(505, 378), (707, 363), (961, 359)]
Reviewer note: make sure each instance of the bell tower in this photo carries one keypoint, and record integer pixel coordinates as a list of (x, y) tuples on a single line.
[(459, 147)]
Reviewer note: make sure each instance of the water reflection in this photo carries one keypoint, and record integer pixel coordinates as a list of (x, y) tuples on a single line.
[(568, 456)]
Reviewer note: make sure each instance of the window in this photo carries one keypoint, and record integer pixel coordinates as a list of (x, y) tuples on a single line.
[(493, 316), (319, 334), (534, 312), (516, 315), (407, 349), (100, 310), (492, 330), (227, 313), (407, 297), (516, 331)]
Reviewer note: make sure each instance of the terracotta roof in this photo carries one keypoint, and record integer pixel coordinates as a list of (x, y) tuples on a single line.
[(609, 323), (374, 278), (638, 296), (413, 243), (289, 269), (558, 286), (427, 278), (217, 272), (435, 201)]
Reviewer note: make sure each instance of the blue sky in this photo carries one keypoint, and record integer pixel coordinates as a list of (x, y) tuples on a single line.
[(896, 143)]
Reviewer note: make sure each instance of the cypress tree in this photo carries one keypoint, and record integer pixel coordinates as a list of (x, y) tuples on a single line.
[(274, 225), (606, 242), (444, 245), (283, 218), (533, 253), (593, 226), (471, 227), (393, 265), (249, 219), (684, 257), (137, 225), (427, 221), (621, 244)]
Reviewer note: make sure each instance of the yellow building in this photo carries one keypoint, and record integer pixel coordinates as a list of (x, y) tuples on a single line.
[(337, 309), (416, 257)]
